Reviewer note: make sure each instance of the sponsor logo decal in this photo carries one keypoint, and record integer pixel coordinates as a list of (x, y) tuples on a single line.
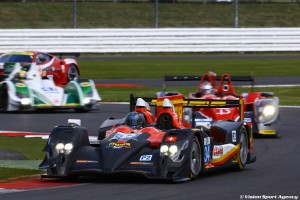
[(247, 119), (141, 163), (85, 84), (267, 131), (146, 158), (120, 140), (20, 85), (119, 145), (86, 161), (50, 89), (233, 136), (171, 139), (206, 150), (218, 151)]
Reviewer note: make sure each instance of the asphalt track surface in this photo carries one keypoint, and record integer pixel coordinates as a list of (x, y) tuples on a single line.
[(276, 171)]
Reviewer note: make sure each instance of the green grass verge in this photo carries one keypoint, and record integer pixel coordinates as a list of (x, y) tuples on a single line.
[(31, 148), (7, 174), (288, 96), (133, 15), (158, 68)]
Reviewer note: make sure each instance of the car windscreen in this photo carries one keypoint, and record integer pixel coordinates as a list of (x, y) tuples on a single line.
[(16, 58)]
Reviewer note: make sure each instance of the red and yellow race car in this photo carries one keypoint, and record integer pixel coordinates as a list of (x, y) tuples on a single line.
[(261, 108), (60, 70)]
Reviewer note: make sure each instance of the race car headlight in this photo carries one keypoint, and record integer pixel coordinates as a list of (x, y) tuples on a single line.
[(60, 148), (68, 148), (268, 110), (87, 100), (64, 148), (164, 149), (25, 101), (173, 149)]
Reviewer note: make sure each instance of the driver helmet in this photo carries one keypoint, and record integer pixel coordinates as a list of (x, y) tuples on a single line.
[(206, 88), (135, 120)]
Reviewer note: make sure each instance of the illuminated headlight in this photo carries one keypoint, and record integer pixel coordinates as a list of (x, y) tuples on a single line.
[(64, 148), (87, 101), (68, 148), (268, 110), (60, 148), (25, 101), (173, 149), (164, 149)]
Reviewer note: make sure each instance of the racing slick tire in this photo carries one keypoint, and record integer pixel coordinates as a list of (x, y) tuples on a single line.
[(243, 151), (73, 73), (196, 158), (83, 110), (4, 99)]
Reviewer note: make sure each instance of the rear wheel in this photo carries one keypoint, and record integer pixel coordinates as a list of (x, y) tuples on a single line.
[(196, 162), (243, 151), (83, 110)]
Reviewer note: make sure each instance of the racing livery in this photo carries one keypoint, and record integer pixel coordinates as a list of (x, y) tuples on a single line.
[(25, 89), (261, 108), (156, 146), (60, 70)]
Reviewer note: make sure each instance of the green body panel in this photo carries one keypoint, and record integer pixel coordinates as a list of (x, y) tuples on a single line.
[(21, 88), (72, 93), (86, 87)]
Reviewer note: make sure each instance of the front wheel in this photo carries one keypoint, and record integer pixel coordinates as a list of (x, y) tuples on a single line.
[(4, 99), (196, 162), (243, 151)]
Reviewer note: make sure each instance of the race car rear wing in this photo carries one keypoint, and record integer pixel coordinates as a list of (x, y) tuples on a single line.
[(180, 102), (216, 78)]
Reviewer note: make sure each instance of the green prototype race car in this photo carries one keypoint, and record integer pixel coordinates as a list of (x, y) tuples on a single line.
[(25, 89)]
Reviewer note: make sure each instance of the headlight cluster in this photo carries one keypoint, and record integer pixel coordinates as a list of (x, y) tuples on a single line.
[(25, 101), (165, 149), (267, 110), (87, 100), (174, 150), (64, 148)]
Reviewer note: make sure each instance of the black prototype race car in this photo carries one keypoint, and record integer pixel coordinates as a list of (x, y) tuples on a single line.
[(159, 149)]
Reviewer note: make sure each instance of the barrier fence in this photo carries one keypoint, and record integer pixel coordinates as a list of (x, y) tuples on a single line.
[(151, 40)]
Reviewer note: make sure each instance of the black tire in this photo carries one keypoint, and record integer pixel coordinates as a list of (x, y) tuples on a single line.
[(73, 73), (243, 151), (83, 110), (196, 158), (4, 99)]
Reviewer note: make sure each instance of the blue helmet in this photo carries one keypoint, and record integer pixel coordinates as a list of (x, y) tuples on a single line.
[(135, 120)]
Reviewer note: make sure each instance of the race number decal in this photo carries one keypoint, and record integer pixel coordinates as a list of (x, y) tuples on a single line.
[(206, 150), (223, 111), (233, 136)]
